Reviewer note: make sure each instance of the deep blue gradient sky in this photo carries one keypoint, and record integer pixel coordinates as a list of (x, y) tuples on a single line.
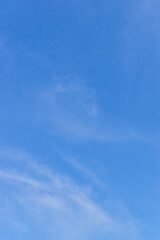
[(79, 120)]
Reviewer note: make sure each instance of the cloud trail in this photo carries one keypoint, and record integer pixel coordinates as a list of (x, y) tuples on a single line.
[(67, 207)]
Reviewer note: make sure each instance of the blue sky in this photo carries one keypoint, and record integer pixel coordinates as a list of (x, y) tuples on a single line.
[(79, 120)]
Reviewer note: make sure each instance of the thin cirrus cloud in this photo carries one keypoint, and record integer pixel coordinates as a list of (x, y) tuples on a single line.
[(61, 207), (76, 164), (72, 108)]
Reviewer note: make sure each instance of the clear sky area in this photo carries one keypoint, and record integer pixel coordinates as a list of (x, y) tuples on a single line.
[(79, 120)]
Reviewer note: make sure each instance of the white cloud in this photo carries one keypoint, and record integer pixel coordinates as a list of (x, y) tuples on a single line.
[(72, 111), (76, 164), (68, 208), (21, 178)]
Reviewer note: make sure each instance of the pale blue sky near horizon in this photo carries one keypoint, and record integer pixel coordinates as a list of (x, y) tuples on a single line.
[(79, 120)]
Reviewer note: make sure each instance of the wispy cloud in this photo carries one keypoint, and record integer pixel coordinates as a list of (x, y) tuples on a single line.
[(67, 207), (22, 179), (72, 110), (76, 164)]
